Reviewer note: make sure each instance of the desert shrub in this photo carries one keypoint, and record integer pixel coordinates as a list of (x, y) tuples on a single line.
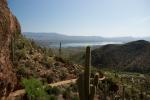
[(48, 63), (20, 54), (53, 97), (21, 70), (29, 63), (63, 75), (34, 89), (59, 59), (49, 79), (22, 42), (74, 87), (75, 97), (109, 86), (56, 90), (48, 89), (47, 51), (52, 90), (67, 94), (34, 45)]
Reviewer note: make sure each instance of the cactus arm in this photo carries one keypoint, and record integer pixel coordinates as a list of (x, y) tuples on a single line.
[(93, 91), (96, 80)]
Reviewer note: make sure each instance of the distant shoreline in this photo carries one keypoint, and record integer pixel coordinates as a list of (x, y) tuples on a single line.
[(82, 44)]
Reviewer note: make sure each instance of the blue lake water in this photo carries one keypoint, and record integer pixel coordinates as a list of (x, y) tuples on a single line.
[(84, 44)]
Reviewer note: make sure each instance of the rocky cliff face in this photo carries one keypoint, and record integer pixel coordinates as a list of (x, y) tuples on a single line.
[(8, 27)]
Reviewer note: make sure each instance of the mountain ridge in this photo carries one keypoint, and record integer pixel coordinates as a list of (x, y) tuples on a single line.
[(33, 35), (133, 56)]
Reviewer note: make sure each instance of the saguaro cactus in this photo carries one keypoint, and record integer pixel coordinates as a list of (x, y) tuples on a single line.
[(60, 52), (123, 92), (87, 71), (86, 90), (141, 93)]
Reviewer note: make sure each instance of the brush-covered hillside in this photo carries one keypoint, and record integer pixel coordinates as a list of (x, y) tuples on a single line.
[(21, 58), (33, 61), (132, 56)]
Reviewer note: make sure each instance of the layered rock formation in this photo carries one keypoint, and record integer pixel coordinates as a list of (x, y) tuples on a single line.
[(8, 27)]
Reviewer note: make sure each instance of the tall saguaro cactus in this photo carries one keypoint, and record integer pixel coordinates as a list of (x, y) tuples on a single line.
[(123, 92), (87, 71), (86, 89), (60, 51)]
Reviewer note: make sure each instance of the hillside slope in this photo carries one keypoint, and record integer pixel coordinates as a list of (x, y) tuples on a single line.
[(8, 27), (132, 56), (33, 61), (22, 58)]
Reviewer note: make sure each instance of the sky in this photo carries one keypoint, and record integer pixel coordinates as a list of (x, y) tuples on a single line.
[(107, 18)]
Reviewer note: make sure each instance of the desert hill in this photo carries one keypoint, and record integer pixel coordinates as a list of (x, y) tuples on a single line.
[(132, 56)]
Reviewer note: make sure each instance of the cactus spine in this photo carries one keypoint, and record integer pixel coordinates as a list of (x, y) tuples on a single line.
[(86, 90)]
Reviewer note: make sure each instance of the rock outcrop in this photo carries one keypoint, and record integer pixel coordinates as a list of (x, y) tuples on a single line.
[(8, 27)]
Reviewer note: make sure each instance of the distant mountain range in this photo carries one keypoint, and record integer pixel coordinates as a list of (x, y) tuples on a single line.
[(56, 37), (49, 38)]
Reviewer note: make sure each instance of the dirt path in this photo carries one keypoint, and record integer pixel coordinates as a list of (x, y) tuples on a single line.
[(22, 92), (63, 82)]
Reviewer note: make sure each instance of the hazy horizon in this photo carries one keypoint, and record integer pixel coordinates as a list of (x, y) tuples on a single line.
[(91, 35), (105, 18)]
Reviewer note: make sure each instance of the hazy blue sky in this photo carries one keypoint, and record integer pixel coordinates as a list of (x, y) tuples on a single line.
[(84, 17)]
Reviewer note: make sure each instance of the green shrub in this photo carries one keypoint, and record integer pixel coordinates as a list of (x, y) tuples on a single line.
[(22, 43), (63, 75), (52, 90), (50, 79), (48, 63), (56, 90), (53, 97), (74, 87), (67, 94), (29, 63), (21, 70), (75, 97), (20, 54), (34, 89), (48, 52), (34, 45)]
